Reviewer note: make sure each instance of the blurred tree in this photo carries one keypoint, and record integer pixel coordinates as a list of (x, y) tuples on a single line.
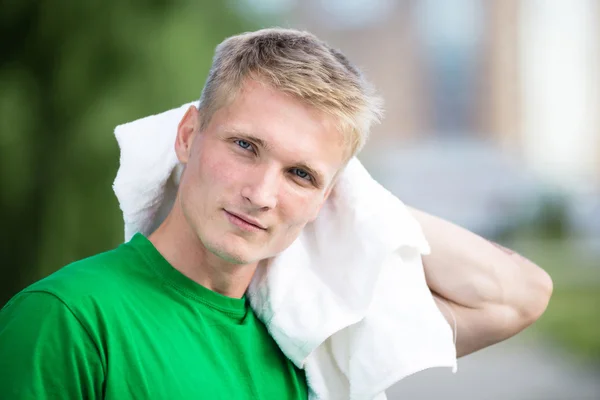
[(69, 73)]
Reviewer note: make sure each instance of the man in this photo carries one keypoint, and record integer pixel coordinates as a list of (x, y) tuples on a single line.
[(166, 317)]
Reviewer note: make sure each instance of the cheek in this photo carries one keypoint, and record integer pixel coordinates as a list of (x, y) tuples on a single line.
[(295, 212), (206, 184), (299, 209), (218, 173)]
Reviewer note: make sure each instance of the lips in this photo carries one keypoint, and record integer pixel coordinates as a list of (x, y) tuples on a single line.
[(248, 220)]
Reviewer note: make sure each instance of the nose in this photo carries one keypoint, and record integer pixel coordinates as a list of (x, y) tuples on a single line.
[(262, 188)]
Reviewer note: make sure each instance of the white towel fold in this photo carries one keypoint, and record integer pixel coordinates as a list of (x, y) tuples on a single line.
[(347, 301)]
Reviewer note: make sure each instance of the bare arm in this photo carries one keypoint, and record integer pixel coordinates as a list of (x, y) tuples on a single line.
[(493, 292)]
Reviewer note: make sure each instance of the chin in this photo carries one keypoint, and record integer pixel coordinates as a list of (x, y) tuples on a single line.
[(234, 253), (234, 258)]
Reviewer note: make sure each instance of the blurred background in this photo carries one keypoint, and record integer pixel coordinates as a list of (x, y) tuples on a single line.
[(492, 122)]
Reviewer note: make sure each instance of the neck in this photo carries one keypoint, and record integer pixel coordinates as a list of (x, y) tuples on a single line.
[(182, 248)]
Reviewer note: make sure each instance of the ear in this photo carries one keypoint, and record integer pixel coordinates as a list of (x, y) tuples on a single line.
[(186, 132)]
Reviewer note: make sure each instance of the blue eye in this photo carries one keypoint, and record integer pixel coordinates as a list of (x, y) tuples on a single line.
[(244, 144), (300, 173)]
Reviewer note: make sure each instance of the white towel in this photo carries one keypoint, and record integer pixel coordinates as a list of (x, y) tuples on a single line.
[(347, 301)]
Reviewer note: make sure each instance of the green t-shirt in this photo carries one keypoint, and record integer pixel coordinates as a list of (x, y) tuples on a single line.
[(126, 325)]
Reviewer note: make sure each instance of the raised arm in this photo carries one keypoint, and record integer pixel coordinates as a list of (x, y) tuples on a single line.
[(493, 292)]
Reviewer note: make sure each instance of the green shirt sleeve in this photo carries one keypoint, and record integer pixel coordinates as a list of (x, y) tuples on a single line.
[(45, 352)]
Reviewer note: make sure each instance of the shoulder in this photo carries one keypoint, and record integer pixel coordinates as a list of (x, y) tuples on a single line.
[(91, 291), (46, 351), (94, 284), (90, 276)]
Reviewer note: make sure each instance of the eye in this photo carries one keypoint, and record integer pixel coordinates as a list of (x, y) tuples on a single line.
[(244, 144), (300, 173)]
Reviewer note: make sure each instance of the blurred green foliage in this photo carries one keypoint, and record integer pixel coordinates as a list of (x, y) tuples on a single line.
[(572, 318), (70, 71)]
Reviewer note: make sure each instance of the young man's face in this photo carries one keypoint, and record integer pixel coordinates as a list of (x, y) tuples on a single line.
[(257, 174)]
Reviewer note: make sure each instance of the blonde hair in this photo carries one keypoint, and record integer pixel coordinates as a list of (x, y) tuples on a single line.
[(300, 64)]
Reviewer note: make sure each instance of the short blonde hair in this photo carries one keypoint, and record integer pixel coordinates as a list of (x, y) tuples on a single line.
[(300, 64)]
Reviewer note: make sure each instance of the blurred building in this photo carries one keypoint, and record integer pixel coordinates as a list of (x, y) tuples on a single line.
[(501, 98), (525, 74)]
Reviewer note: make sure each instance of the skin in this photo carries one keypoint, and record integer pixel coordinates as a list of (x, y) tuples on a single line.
[(267, 158), (492, 292), (271, 160)]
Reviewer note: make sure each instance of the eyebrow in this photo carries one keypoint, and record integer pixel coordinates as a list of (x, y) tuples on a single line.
[(318, 176)]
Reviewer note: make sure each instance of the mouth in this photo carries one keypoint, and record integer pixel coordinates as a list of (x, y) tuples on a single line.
[(244, 222)]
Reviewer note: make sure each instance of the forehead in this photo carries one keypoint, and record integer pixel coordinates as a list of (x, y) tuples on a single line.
[(290, 129)]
